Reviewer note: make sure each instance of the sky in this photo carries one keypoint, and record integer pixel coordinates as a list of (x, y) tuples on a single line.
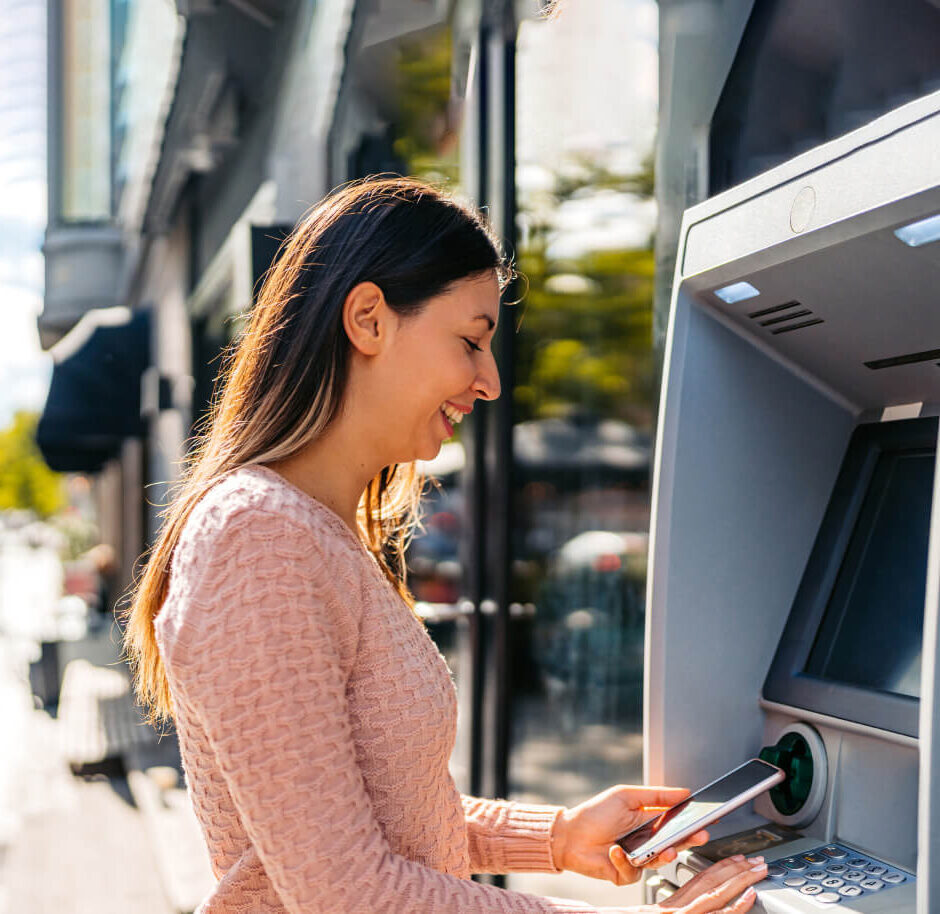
[(25, 370)]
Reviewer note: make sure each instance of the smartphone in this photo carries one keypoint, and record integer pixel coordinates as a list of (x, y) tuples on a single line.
[(699, 810)]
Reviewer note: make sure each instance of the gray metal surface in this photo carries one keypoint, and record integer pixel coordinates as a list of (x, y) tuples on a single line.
[(753, 428)]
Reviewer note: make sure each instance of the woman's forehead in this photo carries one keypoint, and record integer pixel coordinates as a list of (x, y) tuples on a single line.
[(476, 299)]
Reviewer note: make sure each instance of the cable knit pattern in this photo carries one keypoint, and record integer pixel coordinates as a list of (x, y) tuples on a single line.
[(317, 718)]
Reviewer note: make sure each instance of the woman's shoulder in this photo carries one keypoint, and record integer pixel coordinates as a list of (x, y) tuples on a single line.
[(253, 506), (256, 492), (251, 527)]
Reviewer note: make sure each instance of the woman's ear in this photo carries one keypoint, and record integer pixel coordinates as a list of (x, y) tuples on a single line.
[(365, 318)]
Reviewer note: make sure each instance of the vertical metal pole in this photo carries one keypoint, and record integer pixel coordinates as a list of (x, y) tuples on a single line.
[(502, 41), (477, 482)]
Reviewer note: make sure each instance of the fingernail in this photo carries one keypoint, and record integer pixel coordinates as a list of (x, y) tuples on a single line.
[(750, 893), (738, 857), (759, 868), (755, 859)]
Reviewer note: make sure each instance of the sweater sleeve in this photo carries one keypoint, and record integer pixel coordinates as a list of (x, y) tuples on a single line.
[(510, 837), (262, 650)]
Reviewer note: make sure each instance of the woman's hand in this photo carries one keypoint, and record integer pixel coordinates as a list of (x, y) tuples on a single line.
[(584, 837), (724, 888)]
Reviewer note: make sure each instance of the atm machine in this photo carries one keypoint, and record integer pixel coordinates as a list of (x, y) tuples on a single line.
[(795, 544)]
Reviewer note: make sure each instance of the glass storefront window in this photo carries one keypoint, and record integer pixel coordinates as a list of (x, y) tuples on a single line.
[(399, 110), (583, 406), (85, 106)]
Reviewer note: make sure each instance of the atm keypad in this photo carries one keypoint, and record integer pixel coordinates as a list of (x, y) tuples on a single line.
[(830, 873)]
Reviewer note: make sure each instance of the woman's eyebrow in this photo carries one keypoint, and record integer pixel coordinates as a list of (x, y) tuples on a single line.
[(487, 318)]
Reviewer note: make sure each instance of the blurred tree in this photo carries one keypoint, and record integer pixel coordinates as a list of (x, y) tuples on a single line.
[(585, 340), (426, 136), (25, 480)]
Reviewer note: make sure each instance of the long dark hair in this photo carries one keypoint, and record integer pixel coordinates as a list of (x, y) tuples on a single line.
[(283, 380)]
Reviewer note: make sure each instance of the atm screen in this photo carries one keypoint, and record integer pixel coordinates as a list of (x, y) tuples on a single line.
[(851, 647), (872, 629)]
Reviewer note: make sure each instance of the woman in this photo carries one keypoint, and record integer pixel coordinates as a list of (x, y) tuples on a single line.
[(316, 717)]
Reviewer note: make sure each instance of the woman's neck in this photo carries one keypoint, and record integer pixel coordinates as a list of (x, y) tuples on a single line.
[(327, 471)]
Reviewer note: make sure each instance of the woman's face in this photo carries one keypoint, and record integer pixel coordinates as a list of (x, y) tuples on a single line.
[(439, 360)]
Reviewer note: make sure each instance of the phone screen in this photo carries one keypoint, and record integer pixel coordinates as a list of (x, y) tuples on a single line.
[(669, 827)]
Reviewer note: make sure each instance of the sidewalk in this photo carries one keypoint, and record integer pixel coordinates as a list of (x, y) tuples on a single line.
[(93, 815)]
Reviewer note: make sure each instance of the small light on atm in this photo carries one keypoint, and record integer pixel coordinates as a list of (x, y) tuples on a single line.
[(922, 232), (738, 291)]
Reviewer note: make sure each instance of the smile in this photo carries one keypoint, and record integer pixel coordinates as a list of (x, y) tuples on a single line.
[(455, 415)]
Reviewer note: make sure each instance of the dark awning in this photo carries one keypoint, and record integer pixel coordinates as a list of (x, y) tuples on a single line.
[(94, 399)]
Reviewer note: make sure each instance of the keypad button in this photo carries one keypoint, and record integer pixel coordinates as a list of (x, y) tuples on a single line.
[(872, 884), (857, 862), (794, 882), (893, 878), (794, 863), (853, 876), (776, 870), (832, 882), (811, 889), (836, 869), (833, 852), (813, 857), (850, 891), (828, 898), (875, 870), (815, 874)]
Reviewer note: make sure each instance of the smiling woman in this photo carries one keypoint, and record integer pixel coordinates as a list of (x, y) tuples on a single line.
[(315, 715)]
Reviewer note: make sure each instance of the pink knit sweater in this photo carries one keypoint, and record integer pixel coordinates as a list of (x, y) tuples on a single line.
[(316, 719)]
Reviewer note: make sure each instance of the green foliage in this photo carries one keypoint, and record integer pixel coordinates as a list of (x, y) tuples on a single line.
[(25, 480), (425, 137), (586, 323)]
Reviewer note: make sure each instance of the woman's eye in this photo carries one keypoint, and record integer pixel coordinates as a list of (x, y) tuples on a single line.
[(472, 345)]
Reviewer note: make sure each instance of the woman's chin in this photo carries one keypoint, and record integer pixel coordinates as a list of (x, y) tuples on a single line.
[(429, 451)]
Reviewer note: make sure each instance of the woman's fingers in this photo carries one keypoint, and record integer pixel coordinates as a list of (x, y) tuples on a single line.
[(670, 853), (744, 903), (717, 898), (699, 838), (627, 874), (712, 878), (662, 797)]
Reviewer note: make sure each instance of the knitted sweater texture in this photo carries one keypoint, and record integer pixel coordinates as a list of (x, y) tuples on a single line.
[(316, 720)]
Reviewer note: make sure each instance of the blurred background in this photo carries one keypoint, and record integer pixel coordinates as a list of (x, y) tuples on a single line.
[(153, 154)]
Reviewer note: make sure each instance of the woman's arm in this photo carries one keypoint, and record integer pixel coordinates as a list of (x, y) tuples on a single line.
[(510, 837), (261, 657)]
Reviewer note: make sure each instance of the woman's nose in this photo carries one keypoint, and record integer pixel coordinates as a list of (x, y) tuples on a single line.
[(486, 384)]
